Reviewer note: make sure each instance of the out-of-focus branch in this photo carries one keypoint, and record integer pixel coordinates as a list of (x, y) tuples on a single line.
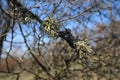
[(5, 30), (45, 69), (23, 10), (83, 12)]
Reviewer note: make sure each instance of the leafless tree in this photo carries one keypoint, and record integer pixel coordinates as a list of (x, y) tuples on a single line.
[(54, 37)]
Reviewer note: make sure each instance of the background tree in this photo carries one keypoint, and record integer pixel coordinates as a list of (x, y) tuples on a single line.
[(52, 37)]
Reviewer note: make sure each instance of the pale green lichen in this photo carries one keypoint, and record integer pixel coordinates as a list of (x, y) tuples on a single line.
[(82, 45), (50, 27)]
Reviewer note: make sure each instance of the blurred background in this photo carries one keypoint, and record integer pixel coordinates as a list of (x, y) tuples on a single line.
[(26, 49)]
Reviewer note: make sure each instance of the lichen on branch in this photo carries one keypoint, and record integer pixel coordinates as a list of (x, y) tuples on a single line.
[(52, 29)]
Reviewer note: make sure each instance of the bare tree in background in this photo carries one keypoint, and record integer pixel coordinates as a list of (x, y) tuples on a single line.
[(54, 36)]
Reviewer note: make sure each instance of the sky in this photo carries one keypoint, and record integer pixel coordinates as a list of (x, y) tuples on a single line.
[(69, 24)]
